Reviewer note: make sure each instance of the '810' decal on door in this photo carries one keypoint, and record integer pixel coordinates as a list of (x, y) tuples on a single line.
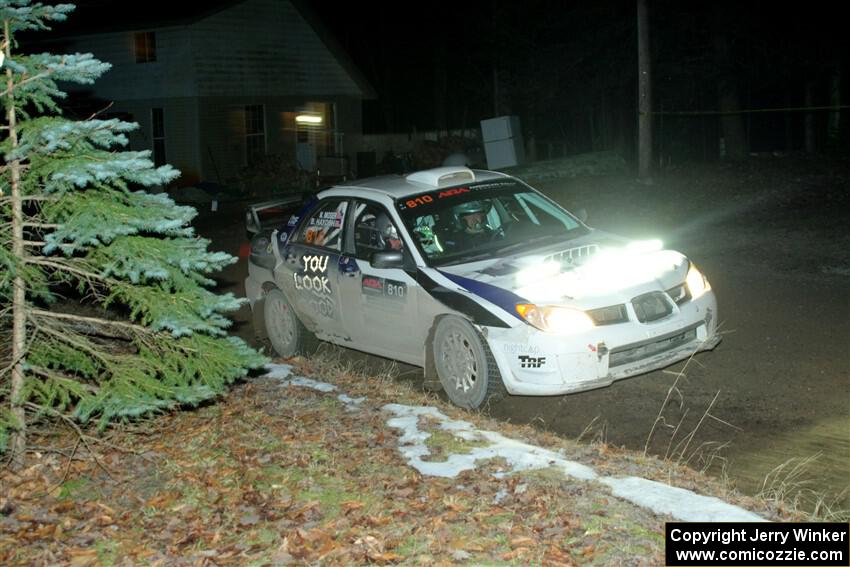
[(392, 289)]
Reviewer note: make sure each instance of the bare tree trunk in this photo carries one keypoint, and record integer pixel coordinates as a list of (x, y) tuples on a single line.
[(441, 87), (731, 121), (809, 121), (19, 435), (833, 121), (644, 94), (789, 138)]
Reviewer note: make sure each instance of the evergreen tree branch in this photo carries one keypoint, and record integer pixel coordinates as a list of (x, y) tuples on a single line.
[(60, 377), (26, 198), (63, 335), (46, 225), (126, 328), (32, 78), (65, 267)]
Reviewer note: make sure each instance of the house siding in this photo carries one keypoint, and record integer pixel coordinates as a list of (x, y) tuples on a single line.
[(181, 131), (172, 75)]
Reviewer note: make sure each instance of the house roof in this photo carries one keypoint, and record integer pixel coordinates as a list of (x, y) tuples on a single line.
[(102, 16), (108, 16)]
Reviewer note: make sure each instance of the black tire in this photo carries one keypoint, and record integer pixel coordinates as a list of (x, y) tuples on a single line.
[(286, 333), (465, 365)]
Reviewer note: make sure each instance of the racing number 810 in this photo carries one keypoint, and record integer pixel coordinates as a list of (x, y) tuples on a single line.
[(412, 203), (395, 290)]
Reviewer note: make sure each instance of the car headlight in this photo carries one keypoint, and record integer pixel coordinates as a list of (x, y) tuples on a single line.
[(554, 318), (697, 283)]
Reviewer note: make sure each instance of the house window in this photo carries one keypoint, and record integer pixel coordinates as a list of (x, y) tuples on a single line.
[(158, 136), (255, 133), (145, 43)]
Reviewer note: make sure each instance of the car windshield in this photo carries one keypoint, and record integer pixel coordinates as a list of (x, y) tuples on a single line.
[(482, 220)]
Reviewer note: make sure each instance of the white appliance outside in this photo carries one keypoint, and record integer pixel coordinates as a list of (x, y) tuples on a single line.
[(503, 145)]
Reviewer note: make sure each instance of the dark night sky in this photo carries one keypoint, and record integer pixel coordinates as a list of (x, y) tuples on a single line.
[(560, 58)]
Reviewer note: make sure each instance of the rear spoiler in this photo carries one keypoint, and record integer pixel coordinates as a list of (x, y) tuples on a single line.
[(254, 213)]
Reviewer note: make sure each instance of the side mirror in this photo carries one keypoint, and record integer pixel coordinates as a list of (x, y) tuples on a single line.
[(582, 214), (390, 259)]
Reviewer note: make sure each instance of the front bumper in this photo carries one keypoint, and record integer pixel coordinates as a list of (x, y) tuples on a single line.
[(535, 363)]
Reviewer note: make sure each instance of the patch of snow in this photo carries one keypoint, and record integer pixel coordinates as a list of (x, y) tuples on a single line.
[(682, 504), (278, 371), (310, 383), (282, 372), (521, 456), (351, 404), (661, 498)]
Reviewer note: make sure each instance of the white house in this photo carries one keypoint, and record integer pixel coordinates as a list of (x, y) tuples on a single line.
[(217, 90)]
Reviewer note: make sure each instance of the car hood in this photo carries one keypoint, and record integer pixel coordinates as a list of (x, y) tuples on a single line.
[(594, 270)]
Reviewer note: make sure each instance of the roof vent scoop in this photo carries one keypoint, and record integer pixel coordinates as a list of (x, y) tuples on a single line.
[(442, 176)]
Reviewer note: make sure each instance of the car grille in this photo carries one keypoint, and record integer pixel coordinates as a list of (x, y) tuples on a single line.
[(638, 351), (652, 306), (679, 294), (573, 255), (610, 315)]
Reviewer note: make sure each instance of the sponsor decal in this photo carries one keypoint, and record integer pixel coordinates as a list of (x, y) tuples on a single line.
[(421, 200), (323, 306), (520, 348), (452, 192), (283, 236), (531, 361), (327, 219), (391, 289), (433, 196), (347, 265), (311, 279)]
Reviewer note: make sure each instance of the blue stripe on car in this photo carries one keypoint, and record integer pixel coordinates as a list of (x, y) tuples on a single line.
[(458, 301), (505, 299)]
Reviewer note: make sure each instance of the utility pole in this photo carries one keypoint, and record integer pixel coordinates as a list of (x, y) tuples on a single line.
[(644, 95)]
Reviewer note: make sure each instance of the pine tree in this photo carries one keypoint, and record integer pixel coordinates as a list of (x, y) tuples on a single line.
[(105, 297)]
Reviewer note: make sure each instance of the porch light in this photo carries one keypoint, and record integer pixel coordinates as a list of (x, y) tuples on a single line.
[(308, 119)]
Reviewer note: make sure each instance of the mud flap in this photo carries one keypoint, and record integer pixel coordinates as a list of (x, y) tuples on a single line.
[(430, 380), (258, 318)]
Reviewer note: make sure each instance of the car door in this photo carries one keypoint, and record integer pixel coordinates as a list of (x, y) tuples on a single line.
[(308, 273), (380, 303)]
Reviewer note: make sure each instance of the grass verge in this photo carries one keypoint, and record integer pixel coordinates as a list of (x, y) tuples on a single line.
[(277, 475)]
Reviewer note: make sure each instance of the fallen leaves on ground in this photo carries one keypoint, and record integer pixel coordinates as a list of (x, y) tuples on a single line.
[(287, 476)]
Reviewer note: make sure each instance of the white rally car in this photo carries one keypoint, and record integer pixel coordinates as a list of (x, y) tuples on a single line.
[(482, 281)]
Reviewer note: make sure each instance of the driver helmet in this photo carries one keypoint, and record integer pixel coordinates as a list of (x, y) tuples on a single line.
[(388, 238), (471, 208)]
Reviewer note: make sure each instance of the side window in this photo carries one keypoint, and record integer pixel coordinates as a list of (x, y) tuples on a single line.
[(324, 226), (374, 231)]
